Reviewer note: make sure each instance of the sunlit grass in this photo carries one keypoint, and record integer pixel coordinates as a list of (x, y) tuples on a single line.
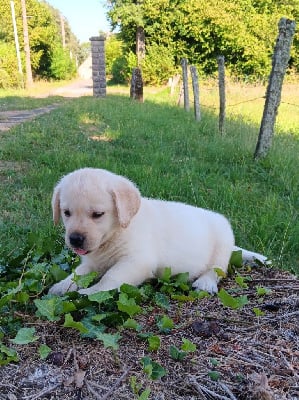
[(168, 154)]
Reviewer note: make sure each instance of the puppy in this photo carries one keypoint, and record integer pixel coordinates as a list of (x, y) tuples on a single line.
[(129, 239)]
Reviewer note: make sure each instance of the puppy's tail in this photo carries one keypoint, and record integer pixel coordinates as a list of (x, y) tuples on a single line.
[(250, 257)]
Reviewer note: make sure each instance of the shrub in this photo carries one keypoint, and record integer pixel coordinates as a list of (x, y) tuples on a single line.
[(62, 66), (9, 75)]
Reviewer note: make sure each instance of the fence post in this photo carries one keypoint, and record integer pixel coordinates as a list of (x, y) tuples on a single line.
[(280, 61), (98, 65), (221, 83), (136, 90), (195, 85), (184, 64)]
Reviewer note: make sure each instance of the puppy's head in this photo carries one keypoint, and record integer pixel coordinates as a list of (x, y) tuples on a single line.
[(93, 204)]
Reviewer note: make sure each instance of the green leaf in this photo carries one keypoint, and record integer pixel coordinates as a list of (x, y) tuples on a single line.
[(132, 324), (154, 343), (152, 368), (188, 346), (83, 281), (165, 324), (162, 300), (70, 323), (100, 297), (7, 355), (145, 394), (214, 375), (127, 305), (177, 354), (220, 273), (262, 291), (44, 351), (236, 259), (109, 340), (230, 301), (25, 336), (241, 281), (51, 308), (166, 275), (258, 312), (132, 292), (57, 273)]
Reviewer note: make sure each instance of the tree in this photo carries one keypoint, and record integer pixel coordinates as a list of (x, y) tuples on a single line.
[(243, 32)]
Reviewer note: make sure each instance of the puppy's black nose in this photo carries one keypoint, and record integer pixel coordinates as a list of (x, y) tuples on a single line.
[(77, 240)]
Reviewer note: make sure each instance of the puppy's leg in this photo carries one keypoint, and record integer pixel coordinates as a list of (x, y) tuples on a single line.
[(133, 273), (251, 256), (67, 284), (207, 281)]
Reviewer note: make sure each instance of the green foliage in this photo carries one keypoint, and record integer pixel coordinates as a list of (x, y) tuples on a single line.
[(25, 336), (231, 301), (113, 52), (62, 66), (158, 65), (44, 37), (244, 32), (153, 369)]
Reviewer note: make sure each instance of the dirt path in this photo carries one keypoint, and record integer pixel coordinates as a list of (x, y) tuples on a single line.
[(81, 87)]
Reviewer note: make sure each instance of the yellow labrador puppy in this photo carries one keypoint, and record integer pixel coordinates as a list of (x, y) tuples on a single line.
[(129, 239)]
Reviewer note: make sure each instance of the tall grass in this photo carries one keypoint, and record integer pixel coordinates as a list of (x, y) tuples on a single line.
[(167, 154)]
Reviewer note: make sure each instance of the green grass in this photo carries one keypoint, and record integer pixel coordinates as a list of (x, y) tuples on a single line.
[(167, 154)]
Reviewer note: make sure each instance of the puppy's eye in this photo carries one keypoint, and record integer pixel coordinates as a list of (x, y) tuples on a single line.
[(97, 215), (67, 213)]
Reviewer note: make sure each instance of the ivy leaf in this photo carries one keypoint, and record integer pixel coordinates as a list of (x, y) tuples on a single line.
[(162, 300), (236, 259), (220, 273), (100, 297), (165, 324), (262, 291), (131, 291), (7, 355), (109, 340), (230, 301), (166, 275), (152, 368), (127, 305), (25, 336), (258, 312), (44, 351), (83, 281), (70, 323), (52, 308), (214, 375), (188, 346), (132, 324), (154, 343), (177, 354)]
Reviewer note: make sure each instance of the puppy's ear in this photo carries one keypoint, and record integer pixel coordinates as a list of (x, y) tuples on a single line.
[(56, 204), (127, 201)]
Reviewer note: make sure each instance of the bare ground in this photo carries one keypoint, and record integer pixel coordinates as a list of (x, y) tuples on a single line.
[(239, 355)]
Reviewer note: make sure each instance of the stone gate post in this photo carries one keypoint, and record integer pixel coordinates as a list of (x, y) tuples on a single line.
[(98, 65)]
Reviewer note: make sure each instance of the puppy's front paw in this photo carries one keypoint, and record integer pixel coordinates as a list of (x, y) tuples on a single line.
[(207, 282), (66, 285)]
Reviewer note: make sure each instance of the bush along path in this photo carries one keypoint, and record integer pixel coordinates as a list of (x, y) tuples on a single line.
[(159, 341)]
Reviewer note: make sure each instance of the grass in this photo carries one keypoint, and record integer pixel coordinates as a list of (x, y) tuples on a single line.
[(167, 154)]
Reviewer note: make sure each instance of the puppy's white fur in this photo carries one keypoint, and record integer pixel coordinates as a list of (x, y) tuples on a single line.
[(129, 239)]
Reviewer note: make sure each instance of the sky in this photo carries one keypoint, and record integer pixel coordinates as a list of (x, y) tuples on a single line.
[(85, 17)]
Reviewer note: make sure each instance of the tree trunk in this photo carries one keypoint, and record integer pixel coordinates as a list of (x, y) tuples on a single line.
[(140, 45), (280, 61), (29, 80)]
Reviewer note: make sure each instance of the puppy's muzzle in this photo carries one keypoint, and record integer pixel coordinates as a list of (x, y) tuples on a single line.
[(77, 240)]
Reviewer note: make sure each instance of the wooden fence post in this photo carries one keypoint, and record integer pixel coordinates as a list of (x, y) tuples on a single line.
[(195, 85), (221, 83), (136, 90), (184, 64), (280, 61)]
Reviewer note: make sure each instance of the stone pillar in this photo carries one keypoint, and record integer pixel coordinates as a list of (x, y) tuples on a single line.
[(98, 65)]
